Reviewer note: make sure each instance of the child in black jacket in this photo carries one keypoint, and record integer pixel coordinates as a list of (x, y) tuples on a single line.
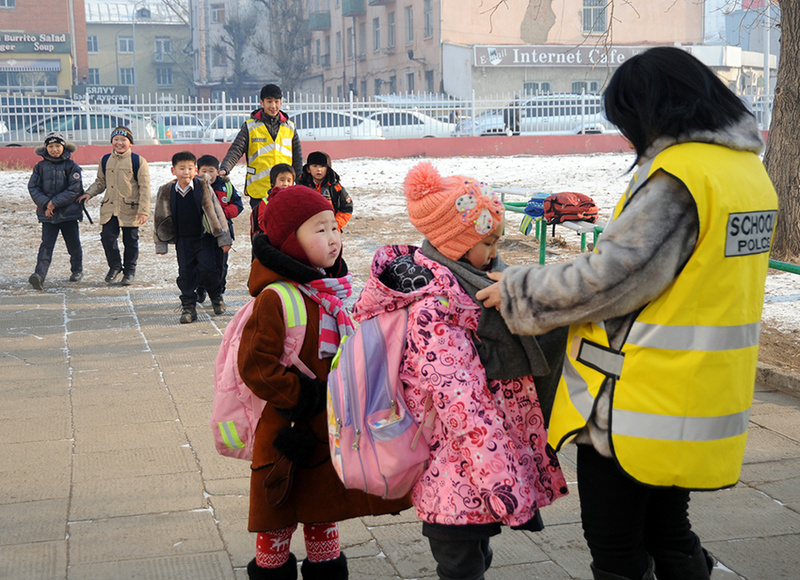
[(319, 176)]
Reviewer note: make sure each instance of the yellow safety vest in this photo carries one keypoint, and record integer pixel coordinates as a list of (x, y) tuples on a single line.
[(685, 375), (263, 152)]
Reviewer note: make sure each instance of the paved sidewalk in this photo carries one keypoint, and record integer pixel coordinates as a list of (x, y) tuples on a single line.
[(109, 468)]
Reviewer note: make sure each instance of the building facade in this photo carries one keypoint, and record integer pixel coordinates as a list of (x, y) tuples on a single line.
[(42, 55)]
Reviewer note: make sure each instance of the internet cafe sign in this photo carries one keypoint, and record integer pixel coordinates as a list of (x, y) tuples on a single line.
[(21, 42), (552, 55)]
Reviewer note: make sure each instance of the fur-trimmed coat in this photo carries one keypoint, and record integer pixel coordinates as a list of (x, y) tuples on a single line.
[(207, 202), (489, 459), (56, 179), (126, 197), (638, 256), (315, 493)]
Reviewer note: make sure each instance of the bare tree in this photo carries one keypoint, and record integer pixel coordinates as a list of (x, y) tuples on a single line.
[(240, 27), (288, 41), (180, 8)]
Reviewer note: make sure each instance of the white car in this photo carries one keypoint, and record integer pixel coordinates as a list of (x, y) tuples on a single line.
[(541, 115), (223, 128), (334, 125), (400, 124), (81, 127), (181, 127)]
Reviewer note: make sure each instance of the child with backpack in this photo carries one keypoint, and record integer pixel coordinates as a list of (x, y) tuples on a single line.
[(125, 178), (320, 176), (489, 463), (281, 176), (292, 479), (55, 186)]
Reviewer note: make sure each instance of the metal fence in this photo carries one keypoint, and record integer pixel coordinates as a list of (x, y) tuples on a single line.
[(156, 119)]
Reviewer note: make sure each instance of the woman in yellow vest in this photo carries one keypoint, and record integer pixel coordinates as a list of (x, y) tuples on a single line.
[(663, 318)]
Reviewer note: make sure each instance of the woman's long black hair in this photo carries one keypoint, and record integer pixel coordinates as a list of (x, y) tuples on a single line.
[(665, 91)]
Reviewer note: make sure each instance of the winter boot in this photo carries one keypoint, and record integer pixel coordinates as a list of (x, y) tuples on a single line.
[(602, 575), (36, 281), (286, 572), (188, 311), (671, 565), (329, 570), (219, 305)]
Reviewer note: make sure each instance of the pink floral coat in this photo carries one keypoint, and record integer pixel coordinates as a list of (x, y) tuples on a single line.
[(489, 458)]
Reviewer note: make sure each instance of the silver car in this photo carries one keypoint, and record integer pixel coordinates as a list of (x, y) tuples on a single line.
[(334, 125), (400, 124), (181, 127), (82, 128), (224, 128)]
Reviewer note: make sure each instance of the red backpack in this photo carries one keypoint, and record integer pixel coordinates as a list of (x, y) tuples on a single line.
[(569, 206)]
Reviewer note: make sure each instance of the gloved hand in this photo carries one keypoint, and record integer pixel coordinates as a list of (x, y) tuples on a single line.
[(312, 400)]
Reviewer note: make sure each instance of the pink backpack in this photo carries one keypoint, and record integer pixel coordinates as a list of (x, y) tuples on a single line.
[(376, 445), (236, 410)]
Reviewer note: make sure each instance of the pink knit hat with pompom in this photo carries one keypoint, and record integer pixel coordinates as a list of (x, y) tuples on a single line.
[(454, 213)]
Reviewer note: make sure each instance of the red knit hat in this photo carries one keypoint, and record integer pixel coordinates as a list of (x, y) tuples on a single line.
[(287, 210), (454, 213)]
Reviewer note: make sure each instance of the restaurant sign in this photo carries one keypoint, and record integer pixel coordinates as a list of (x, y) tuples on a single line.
[(22, 42), (553, 55)]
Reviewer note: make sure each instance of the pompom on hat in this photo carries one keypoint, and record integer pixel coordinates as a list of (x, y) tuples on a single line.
[(287, 210), (454, 213)]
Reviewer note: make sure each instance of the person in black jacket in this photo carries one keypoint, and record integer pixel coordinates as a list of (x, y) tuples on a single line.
[(319, 175), (55, 186)]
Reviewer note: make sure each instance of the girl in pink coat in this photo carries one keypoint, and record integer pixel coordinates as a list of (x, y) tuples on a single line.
[(489, 460)]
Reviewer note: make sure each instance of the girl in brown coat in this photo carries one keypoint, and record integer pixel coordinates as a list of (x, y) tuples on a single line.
[(292, 477)]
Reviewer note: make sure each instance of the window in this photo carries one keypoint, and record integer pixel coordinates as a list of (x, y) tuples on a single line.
[(126, 76), (392, 84), (588, 87), (377, 85), (409, 82), (363, 88), (338, 88), (164, 77), (219, 57), (217, 13), (91, 43), (318, 49), (362, 38), (536, 88), (126, 44), (328, 93), (409, 24), (94, 76), (8, 3), (24, 82), (427, 17), (163, 48), (429, 81), (594, 16), (338, 47), (390, 33), (376, 34), (351, 41)]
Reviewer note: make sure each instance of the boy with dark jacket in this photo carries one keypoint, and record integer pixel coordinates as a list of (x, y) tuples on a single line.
[(55, 186), (188, 214), (319, 176)]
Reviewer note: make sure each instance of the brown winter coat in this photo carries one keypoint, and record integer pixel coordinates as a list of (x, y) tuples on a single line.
[(125, 196), (316, 495)]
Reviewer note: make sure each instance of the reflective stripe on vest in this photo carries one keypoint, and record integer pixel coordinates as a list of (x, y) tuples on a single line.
[(683, 379), (263, 152)]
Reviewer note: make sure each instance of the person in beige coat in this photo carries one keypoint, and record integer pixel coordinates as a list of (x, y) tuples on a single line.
[(125, 178)]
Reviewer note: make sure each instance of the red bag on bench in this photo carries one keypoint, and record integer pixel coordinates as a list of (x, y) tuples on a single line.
[(569, 206)]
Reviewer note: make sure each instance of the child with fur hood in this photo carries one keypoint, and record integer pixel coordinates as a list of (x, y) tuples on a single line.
[(55, 186), (293, 480), (489, 461)]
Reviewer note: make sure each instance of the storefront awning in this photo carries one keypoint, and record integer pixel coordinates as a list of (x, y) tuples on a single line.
[(29, 65)]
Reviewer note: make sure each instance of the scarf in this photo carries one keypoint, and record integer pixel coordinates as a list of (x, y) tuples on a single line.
[(505, 355), (334, 320)]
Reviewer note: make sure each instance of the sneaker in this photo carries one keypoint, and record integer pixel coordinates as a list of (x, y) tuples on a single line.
[(113, 275), (127, 279), (219, 306), (76, 277), (188, 314), (201, 294), (36, 281)]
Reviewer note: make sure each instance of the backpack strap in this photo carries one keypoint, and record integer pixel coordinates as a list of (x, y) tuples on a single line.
[(295, 317), (135, 162), (228, 192)]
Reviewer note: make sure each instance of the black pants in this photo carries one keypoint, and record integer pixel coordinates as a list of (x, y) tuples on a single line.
[(130, 239), (624, 521), (71, 234), (197, 264), (222, 266), (461, 559)]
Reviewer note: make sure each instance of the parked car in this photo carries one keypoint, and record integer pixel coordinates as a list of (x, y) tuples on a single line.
[(223, 128), (75, 128), (181, 127), (400, 124), (18, 112), (334, 125), (541, 115)]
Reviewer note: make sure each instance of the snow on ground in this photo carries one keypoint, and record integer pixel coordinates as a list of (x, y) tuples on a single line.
[(376, 188)]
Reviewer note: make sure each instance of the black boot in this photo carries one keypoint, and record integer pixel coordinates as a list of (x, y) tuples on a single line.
[(672, 565), (286, 572), (330, 570), (603, 575), (188, 311)]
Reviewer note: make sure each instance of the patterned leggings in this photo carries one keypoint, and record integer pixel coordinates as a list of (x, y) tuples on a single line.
[(322, 544)]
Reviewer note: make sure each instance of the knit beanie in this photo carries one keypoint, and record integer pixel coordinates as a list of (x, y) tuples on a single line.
[(124, 131), (287, 210), (454, 213), (318, 158)]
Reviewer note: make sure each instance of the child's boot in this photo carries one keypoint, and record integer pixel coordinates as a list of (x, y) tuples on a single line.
[(286, 572), (188, 311), (329, 570), (219, 305)]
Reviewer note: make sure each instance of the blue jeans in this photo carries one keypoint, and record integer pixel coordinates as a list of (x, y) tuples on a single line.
[(71, 234)]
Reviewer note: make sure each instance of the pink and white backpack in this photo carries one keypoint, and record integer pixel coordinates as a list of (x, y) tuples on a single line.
[(236, 410)]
